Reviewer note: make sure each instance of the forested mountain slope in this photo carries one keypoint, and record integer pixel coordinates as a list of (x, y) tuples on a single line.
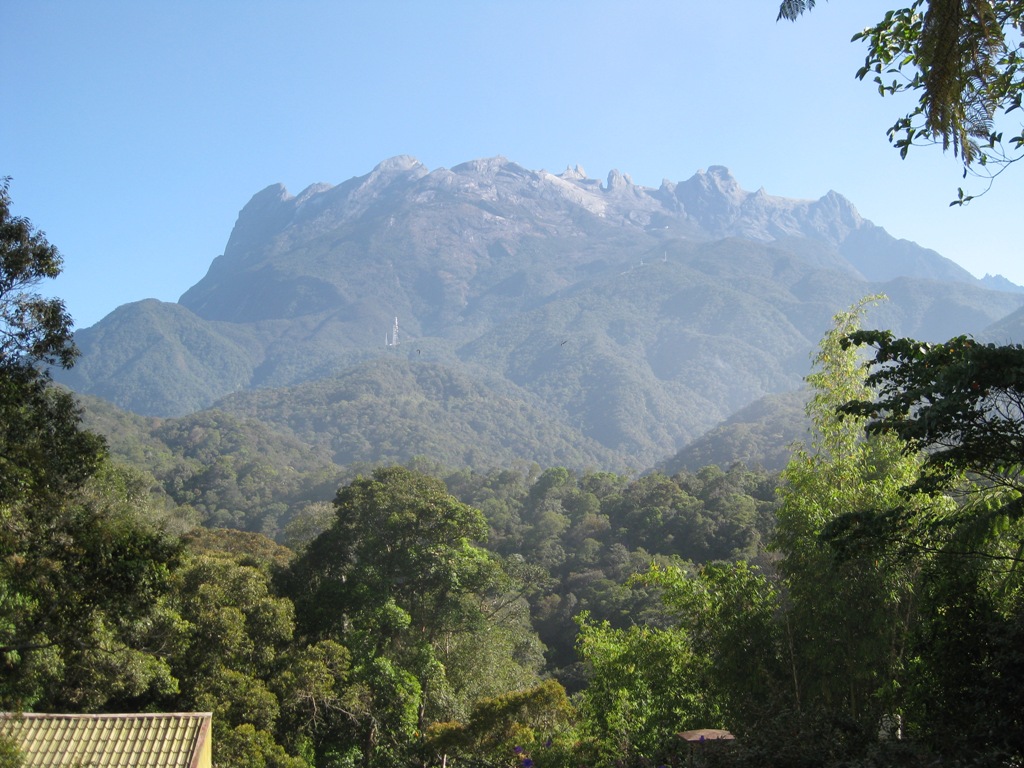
[(762, 434), (573, 321)]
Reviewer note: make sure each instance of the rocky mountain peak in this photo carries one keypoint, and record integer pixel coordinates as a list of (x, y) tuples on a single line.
[(486, 206), (398, 163), (842, 208), (491, 167), (833, 218), (266, 213), (573, 173), (1000, 283), (719, 181), (312, 191), (390, 170), (712, 197), (618, 181)]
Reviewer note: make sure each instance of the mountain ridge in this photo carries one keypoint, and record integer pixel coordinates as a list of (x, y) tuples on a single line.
[(636, 318)]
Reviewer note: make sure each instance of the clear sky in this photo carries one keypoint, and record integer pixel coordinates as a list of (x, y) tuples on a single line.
[(135, 131)]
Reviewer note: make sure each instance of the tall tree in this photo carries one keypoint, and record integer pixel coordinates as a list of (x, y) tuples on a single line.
[(960, 401), (79, 577), (400, 580), (645, 686), (43, 450), (229, 642), (960, 404), (398, 537), (848, 616), (33, 329), (79, 560), (729, 611)]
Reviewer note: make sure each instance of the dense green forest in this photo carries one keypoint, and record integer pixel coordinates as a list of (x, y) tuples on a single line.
[(864, 607), (534, 617)]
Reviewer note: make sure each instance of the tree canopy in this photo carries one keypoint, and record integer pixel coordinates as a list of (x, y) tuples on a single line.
[(963, 60), (43, 448), (960, 406), (33, 329), (961, 401), (79, 564)]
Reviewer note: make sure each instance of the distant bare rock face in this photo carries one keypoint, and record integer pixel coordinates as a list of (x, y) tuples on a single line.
[(635, 318)]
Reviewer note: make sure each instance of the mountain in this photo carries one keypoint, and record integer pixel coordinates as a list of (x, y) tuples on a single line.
[(1000, 283), (394, 410), (761, 434), (157, 358), (586, 323)]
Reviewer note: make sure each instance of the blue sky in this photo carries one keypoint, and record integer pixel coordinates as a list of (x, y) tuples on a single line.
[(135, 131)]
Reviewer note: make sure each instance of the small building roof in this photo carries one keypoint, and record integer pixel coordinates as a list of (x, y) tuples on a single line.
[(706, 734), (166, 740)]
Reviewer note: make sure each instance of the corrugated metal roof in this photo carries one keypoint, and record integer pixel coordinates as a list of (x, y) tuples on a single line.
[(109, 741)]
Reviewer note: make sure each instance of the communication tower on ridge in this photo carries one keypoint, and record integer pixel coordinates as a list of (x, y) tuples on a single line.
[(392, 340)]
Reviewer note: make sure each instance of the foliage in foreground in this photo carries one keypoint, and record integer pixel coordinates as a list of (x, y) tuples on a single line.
[(396, 637), (963, 61)]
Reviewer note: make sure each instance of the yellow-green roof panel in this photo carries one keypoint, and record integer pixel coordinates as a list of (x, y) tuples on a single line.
[(165, 740)]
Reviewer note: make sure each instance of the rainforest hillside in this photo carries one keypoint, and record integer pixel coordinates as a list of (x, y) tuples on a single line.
[(489, 311)]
